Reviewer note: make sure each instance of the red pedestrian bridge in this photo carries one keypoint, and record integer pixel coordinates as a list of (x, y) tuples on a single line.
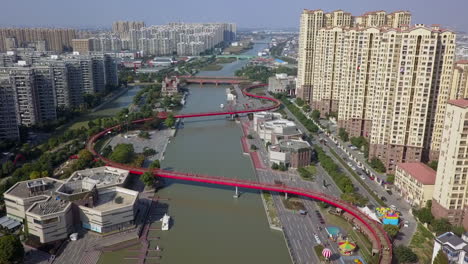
[(374, 230), (213, 79)]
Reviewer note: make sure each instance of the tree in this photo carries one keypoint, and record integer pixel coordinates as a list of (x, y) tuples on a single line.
[(155, 164), (170, 120), (404, 254), (274, 166), (391, 178), (441, 258), (34, 175), (148, 152), (433, 164), (300, 102), (458, 230), (11, 249), (440, 226), (315, 115), (147, 178), (392, 230), (253, 147), (282, 167), (8, 167), (123, 153), (144, 134), (306, 108), (44, 174), (343, 134), (424, 215), (378, 165), (85, 155)]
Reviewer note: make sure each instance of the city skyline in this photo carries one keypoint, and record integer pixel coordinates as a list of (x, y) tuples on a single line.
[(245, 14)]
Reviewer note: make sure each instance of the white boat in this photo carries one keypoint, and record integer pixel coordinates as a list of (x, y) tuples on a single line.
[(165, 222), (221, 105)]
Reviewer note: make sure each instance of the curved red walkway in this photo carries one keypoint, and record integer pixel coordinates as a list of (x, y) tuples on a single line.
[(379, 237)]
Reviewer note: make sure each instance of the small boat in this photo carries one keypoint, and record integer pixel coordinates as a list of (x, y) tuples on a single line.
[(165, 222), (221, 105)]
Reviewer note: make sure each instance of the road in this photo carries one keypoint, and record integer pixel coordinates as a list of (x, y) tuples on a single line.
[(406, 233)]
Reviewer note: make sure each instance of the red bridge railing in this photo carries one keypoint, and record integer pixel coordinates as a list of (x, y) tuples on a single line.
[(381, 241)]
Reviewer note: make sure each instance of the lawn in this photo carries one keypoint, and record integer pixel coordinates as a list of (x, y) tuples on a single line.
[(212, 67), (422, 244), (271, 209)]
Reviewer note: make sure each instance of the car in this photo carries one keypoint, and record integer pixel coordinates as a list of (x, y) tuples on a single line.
[(362, 177), (393, 207), (389, 192), (383, 199), (302, 212), (406, 224)]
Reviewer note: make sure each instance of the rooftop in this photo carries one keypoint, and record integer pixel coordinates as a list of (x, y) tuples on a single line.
[(452, 240), (294, 145), (86, 180), (26, 189), (419, 171), (113, 198), (463, 103), (49, 206)]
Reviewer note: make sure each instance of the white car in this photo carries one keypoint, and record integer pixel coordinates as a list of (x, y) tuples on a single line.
[(362, 177)]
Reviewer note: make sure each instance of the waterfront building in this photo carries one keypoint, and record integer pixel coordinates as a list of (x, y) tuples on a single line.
[(274, 130), (449, 199), (415, 182), (170, 86), (292, 153), (282, 83), (93, 199), (453, 246)]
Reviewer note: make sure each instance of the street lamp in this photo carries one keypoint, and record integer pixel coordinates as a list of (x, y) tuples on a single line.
[(126, 116)]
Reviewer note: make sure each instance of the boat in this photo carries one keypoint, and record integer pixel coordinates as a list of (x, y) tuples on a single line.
[(221, 105), (165, 222)]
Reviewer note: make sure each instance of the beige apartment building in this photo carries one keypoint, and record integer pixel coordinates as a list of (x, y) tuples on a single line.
[(82, 46), (321, 47), (55, 39), (413, 79), (415, 182), (384, 80), (459, 89), (450, 200)]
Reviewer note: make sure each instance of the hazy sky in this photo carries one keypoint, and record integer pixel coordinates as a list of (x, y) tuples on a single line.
[(246, 13)]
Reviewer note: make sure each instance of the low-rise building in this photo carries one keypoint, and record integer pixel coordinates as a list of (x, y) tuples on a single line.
[(23, 194), (93, 199), (170, 86), (415, 181), (282, 83), (50, 219), (261, 117), (275, 130), (455, 247), (114, 209), (292, 153)]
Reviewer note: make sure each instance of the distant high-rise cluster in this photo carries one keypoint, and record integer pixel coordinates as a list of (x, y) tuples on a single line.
[(175, 38), (44, 39), (383, 79), (33, 87)]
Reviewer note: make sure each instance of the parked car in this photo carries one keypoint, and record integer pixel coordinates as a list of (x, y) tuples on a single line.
[(302, 212), (383, 198), (317, 239), (389, 192), (406, 224)]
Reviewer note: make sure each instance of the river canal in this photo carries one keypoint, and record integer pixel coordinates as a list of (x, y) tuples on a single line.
[(210, 226)]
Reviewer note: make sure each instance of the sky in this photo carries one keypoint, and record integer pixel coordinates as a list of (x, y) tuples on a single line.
[(245, 13)]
